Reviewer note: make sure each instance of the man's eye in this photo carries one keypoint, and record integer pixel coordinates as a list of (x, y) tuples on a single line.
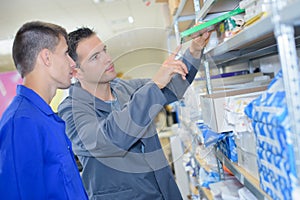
[(95, 57)]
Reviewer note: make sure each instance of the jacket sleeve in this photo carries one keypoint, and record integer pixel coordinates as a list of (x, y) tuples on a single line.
[(116, 132), (28, 160), (177, 87)]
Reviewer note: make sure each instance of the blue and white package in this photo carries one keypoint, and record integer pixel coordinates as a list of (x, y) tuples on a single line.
[(225, 141), (271, 124), (228, 147), (210, 137), (270, 107), (206, 178)]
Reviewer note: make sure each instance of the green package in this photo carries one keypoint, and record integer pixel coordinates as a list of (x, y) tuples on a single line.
[(209, 23)]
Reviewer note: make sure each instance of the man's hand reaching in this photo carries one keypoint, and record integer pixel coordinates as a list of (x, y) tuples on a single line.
[(198, 43), (168, 69)]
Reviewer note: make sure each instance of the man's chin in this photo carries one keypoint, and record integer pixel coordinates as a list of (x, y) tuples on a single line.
[(65, 86)]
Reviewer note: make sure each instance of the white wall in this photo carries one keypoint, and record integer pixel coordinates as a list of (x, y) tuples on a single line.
[(140, 63)]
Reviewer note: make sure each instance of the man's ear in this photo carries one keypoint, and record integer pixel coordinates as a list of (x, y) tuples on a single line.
[(45, 56)]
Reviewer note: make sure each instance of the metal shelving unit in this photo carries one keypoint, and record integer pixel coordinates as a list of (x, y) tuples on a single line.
[(277, 33), (204, 10), (256, 40), (272, 34), (180, 17), (284, 33)]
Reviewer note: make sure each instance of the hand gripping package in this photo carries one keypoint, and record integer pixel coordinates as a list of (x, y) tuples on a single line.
[(271, 124)]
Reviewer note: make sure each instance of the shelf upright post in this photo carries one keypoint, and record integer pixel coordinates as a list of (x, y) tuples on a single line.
[(220, 164), (250, 66), (207, 75), (177, 33), (284, 34), (197, 9)]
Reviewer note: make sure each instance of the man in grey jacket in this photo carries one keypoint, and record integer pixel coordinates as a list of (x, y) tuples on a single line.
[(111, 121)]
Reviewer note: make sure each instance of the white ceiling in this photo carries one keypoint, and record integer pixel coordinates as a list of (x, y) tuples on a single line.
[(109, 18)]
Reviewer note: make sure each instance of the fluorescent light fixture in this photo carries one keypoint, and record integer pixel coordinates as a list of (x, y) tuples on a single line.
[(6, 46), (130, 19)]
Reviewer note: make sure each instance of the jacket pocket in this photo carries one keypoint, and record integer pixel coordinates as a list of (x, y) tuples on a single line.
[(115, 195), (67, 167)]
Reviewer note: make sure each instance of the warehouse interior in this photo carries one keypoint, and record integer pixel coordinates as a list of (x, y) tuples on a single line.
[(236, 132)]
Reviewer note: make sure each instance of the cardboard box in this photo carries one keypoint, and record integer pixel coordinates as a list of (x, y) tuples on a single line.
[(173, 6), (213, 107)]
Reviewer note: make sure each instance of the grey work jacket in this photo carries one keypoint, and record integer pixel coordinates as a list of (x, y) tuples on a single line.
[(117, 142)]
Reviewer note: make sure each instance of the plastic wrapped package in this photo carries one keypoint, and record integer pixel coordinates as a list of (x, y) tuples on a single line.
[(227, 190), (228, 147), (245, 194), (207, 155), (208, 178), (271, 124)]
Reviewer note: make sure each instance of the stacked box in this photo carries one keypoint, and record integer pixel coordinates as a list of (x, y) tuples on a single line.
[(271, 125), (243, 132), (173, 6), (214, 106)]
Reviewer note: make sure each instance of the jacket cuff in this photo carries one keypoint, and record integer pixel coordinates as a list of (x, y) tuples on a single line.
[(195, 62)]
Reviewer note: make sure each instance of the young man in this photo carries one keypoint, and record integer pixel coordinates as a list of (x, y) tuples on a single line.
[(111, 121), (36, 158)]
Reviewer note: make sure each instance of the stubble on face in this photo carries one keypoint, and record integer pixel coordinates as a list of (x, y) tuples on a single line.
[(95, 62)]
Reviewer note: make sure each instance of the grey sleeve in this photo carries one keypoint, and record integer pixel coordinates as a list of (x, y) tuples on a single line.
[(137, 83), (177, 87), (113, 134)]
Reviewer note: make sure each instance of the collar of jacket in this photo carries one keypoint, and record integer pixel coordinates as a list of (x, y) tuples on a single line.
[(81, 95), (35, 99)]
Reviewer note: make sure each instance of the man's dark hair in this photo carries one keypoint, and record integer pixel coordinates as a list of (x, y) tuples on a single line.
[(30, 39), (74, 38)]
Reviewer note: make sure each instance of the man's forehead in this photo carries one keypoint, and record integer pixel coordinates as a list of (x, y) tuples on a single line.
[(88, 43), (88, 47)]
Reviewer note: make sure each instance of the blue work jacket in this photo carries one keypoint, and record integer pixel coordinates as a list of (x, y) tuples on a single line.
[(117, 142), (36, 158)]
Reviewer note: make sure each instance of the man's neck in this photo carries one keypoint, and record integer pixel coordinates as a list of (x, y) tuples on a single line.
[(101, 90), (44, 90)]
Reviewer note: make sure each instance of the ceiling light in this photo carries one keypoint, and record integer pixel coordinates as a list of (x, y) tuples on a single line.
[(130, 19)]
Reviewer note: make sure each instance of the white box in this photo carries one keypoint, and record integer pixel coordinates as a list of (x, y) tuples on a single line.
[(213, 107)]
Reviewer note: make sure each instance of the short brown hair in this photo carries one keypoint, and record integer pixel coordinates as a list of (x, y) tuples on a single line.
[(30, 39)]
